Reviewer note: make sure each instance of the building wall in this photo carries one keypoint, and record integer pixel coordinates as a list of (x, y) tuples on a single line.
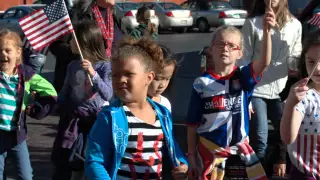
[(5, 4)]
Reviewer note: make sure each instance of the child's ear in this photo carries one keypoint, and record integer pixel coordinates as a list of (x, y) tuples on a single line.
[(150, 77)]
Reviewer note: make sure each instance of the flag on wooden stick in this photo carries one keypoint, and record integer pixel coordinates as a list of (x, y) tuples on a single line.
[(45, 25)]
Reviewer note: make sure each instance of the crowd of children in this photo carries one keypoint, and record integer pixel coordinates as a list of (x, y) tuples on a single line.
[(116, 124)]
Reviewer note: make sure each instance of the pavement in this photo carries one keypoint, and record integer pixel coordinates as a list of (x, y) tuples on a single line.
[(41, 133)]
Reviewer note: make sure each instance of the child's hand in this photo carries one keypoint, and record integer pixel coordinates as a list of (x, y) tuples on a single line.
[(193, 172), (269, 20), (298, 91), (87, 66), (251, 112), (279, 169), (180, 172)]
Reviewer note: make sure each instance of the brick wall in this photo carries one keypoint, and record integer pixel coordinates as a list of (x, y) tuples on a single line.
[(5, 4)]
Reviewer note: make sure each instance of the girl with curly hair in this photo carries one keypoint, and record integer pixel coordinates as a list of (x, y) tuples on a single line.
[(133, 134)]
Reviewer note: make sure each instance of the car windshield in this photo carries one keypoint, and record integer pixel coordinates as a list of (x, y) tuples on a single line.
[(218, 5), (36, 7), (170, 6), (128, 6)]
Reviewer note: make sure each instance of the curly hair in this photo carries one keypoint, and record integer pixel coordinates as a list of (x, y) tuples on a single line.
[(146, 49), (6, 34)]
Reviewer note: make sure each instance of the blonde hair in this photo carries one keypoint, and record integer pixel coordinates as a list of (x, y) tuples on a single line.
[(229, 29), (6, 34), (282, 13)]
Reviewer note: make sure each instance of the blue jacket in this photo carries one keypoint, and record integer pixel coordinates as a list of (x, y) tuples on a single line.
[(108, 140)]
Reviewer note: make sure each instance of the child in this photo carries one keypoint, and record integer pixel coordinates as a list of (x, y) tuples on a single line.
[(16, 84), (132, 136), (218, 110), (79, 101), (266, 102), (300, 121), (163, 79), (145, 28)]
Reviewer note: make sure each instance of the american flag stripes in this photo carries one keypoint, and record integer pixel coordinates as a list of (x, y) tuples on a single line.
[(26, 45), (44, 26), (315, 20)]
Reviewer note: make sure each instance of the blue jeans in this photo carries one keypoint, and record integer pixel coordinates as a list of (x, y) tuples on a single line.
[(265, 109), (36, 62), (20, 154)]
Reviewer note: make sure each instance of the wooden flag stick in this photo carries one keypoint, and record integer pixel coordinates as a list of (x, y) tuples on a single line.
[(314, 68), (76, 40)]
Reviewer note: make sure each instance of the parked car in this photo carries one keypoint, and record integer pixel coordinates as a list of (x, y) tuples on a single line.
[(1, 13), (125, 13), (208, 14), (10, 18), (171, 15)]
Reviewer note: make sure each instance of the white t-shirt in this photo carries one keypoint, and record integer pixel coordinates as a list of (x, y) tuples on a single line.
[(304, 152), (165, 102)]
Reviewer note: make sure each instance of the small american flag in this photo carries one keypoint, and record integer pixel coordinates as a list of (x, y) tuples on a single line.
[(315, 20), (44, 26)]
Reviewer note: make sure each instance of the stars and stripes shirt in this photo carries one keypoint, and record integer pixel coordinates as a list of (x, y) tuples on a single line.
[(304, 152), (142, 158), (219, 106), (8, 101)]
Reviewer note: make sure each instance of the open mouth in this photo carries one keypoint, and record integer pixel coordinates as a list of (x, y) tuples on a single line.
[(224, 56)]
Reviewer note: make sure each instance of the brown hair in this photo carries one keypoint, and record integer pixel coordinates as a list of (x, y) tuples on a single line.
[(148, 51), (282, 12), (312, 39), (143, 16), (90, 40), (6, 34)]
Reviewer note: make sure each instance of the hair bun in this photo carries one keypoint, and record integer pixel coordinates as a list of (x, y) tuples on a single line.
[(148, 46)]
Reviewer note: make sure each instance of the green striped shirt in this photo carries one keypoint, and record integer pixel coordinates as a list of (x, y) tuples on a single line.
[(8, 101)]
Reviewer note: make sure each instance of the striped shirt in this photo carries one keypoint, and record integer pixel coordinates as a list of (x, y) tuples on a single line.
[(8, 101), (304, 152), (142, 158)]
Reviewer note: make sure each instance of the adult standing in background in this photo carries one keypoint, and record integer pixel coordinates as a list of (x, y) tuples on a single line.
[(100, 11), (266, 102)]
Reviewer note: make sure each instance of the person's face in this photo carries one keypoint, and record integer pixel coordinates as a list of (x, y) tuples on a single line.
[(274, 3), (311, 58), (105, 3), (130, 80), (161, 81), (225, 49), (10, 55)]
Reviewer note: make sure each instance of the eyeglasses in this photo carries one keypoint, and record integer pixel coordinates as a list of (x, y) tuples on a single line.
[(230, 46)]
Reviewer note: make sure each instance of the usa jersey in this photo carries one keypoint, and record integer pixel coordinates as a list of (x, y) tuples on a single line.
[(219, 106)]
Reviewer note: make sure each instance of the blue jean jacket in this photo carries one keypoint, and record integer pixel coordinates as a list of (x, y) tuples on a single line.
[(108, 140)]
